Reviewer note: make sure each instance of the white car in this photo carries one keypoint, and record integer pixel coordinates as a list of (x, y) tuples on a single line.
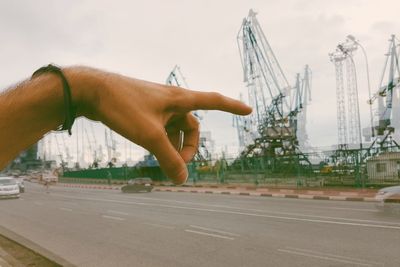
[(8, 187), (389, 198)]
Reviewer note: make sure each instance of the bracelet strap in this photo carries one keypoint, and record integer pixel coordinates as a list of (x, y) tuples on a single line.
[(70, 111)]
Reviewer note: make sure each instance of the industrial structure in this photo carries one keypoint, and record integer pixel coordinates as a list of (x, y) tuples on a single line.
[(271, 132), (387, 97), (348, 118), (303, 99), (352, 156), (384, 120)]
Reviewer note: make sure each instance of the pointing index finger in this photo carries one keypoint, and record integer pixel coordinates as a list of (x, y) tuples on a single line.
[(213, 101)]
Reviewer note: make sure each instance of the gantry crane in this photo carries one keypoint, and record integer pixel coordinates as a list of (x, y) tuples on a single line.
[(264, 78), (390, 80), (273, 124), (302, 100)]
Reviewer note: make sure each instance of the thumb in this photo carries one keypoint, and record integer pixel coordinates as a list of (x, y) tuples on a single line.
[(169, 159)]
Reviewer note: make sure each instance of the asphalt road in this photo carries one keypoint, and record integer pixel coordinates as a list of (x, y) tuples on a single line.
[(108, 228)]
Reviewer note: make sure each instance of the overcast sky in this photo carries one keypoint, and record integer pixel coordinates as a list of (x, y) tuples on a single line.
[(145, 39)]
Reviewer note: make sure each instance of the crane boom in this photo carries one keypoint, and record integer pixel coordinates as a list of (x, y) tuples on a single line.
[(391, 71), (266, 82)]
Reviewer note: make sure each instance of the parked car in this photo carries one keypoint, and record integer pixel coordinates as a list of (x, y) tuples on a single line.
[(9, 187), (389, 199), (138, 185)]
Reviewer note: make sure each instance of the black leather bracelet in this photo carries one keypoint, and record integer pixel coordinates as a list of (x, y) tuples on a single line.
[(70, 110)]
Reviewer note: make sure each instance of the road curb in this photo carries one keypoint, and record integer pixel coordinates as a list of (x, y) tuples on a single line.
[(101, 187), (290, 195), (283, 193)]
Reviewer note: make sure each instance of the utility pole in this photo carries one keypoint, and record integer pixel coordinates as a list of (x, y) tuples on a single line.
[(353, 39)]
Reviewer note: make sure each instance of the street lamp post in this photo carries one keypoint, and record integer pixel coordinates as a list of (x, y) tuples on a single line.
[(353, 39), (359, 155)]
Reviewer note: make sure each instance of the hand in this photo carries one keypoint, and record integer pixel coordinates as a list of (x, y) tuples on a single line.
[(152, 115)]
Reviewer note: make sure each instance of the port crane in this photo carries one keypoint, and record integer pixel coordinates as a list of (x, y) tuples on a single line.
[(302, 99), (349, 129), (389, 82), (272, 127)]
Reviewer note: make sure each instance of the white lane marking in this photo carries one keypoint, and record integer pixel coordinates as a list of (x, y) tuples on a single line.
[(323, 257), (208, 234), (66, 209), (334, 218), (276, 212), (266, 211), (333, 255), (242, 213), (117, 212), (113, 218), (160, 226), (283, 217), (342, 208), (353, 209), (213, 230)]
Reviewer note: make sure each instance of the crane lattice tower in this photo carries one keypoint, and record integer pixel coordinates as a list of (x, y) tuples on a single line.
[(348, 119)]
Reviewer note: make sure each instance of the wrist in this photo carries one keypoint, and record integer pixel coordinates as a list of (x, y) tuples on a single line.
[(86, 84)]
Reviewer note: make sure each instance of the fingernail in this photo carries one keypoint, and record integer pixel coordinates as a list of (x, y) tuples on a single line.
[(187, 177)]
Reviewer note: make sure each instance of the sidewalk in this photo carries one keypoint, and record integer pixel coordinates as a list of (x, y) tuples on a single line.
[(345, 194)]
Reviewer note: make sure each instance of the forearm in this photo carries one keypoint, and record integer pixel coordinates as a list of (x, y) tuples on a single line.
[(35, 107)]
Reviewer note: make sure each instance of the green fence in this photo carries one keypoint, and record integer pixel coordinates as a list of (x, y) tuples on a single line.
[(326, 168), (118, 173)]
